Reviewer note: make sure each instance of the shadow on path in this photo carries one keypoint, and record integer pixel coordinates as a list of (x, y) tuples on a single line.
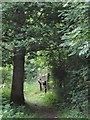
[(42, 111)]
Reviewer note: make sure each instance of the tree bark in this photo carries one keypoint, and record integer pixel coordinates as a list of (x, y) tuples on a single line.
[(17, 94)]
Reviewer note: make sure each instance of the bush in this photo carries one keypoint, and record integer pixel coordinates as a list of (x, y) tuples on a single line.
[(6, 74), (50, 98), (71, 113), (30, 73), (9, 111)]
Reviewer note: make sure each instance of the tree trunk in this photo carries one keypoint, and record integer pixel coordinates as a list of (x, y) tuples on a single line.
[(17, 95)]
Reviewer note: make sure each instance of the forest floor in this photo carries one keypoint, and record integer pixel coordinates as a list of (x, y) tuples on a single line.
[(44, 111), (40, 102)]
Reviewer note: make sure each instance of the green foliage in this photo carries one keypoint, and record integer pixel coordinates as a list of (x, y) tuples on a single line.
[(33, 94), (41, 62), (50, 26), (38, 64), (50, 98), (30, 71), (32, 31), (9, 111), (57, 37), (79, 93), (76, 37), (17, 112), (6, 92), (6, 74), (75, 96), (71, 113)]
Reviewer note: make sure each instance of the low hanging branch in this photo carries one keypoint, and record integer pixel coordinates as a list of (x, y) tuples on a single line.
[(37, 47)]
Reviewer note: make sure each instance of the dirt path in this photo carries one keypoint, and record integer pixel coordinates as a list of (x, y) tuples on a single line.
[(35, 100), (45, 111)]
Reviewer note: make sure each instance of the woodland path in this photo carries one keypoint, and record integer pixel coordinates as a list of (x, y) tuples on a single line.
[(44, 111), (35, 101)]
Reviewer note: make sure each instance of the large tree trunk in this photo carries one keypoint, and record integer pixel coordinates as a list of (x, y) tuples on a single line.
[(17, 95)]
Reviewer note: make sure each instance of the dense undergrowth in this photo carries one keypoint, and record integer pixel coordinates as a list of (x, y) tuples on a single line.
[(9, 111), (34, 96)]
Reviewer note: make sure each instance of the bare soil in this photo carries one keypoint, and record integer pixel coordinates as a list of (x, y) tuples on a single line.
[(45, 111)]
